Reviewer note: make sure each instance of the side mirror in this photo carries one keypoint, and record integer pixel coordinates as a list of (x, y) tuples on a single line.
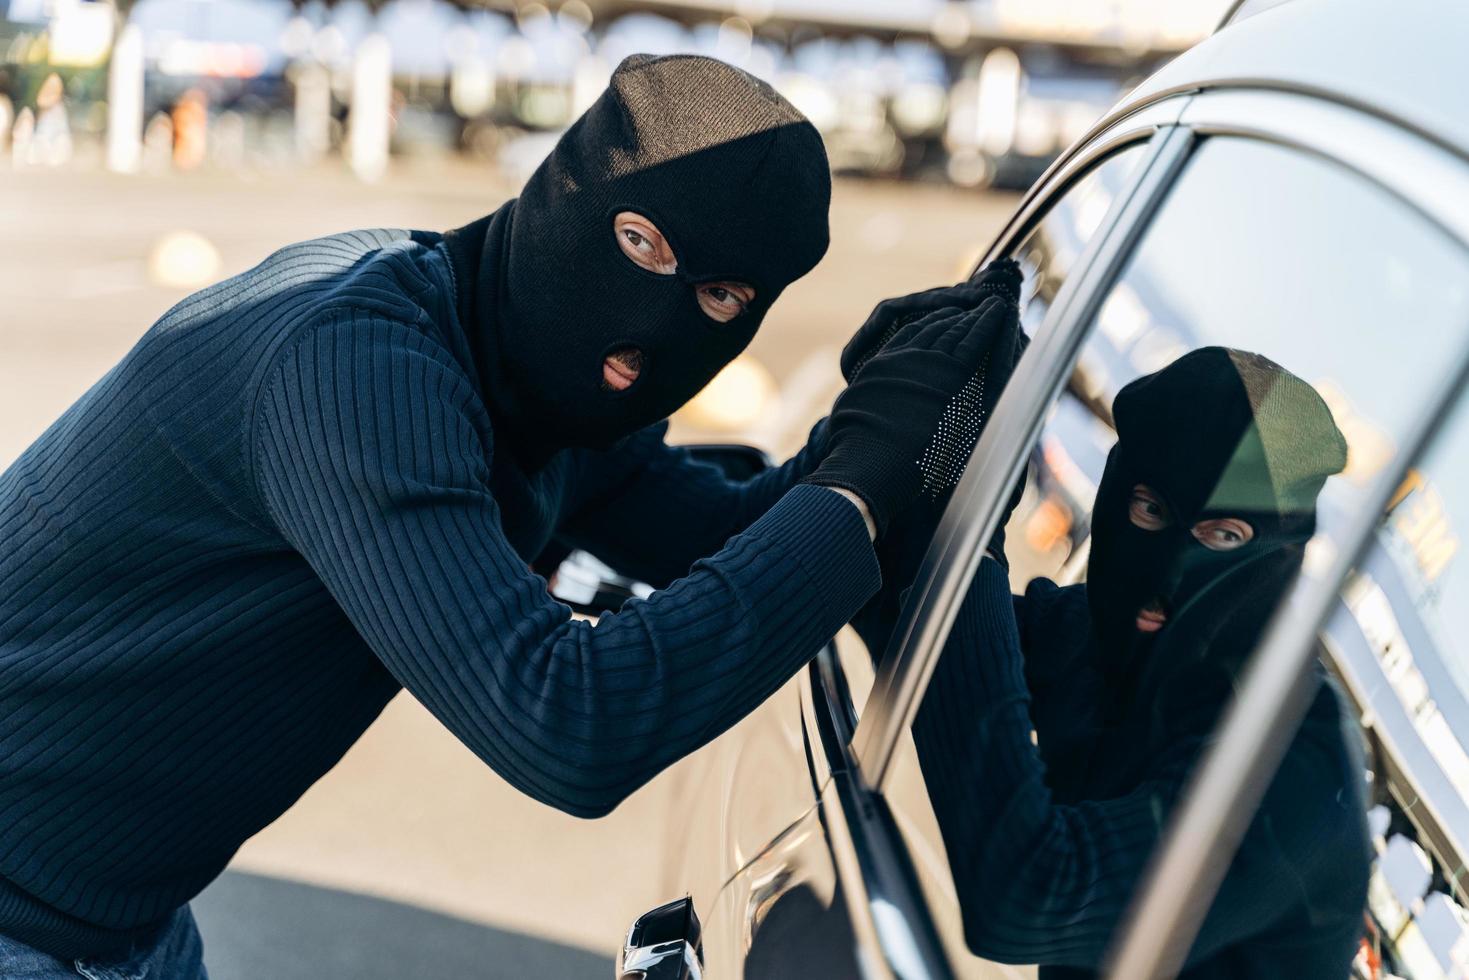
[(591, 587), (664, 944)]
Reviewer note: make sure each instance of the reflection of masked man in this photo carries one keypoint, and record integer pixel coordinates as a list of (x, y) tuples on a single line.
[(323, 480), (1199, 526)]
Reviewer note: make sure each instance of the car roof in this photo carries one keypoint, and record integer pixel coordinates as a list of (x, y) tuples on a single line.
[(1405, 59)]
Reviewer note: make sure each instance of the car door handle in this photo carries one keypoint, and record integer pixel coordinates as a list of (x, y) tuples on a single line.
[(664, 944)]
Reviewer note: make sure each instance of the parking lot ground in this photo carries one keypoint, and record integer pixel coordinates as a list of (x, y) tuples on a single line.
[(423, 840)]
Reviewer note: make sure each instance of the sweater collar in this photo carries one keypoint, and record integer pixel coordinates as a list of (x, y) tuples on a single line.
[(478, 253)]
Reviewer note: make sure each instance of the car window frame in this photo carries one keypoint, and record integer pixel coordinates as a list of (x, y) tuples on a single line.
[(1393, 157)]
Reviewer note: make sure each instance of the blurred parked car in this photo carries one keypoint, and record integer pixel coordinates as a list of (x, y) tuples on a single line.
[(1264, 191)]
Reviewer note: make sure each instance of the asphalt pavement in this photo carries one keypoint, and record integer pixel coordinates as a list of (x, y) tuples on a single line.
[(258, 927), (410, 858)]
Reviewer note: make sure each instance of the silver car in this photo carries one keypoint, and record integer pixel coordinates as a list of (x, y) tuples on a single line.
[(1297, 185)]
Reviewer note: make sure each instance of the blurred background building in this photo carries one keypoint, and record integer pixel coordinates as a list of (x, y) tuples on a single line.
[(935, 106), (975, 93)]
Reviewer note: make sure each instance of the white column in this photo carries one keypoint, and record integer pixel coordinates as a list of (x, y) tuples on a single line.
[(125, 101), (372, 91), (313, 109)]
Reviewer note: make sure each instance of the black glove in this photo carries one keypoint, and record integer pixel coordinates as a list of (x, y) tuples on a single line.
[(999, 278), (894, 429), (901, 550), (953, 445)]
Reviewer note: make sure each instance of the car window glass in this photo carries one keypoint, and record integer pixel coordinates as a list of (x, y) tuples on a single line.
[(1399, 642), (1049, 252), (1298, 310)]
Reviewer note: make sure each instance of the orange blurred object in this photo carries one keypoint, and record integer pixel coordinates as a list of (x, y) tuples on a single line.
[(1049, 523), (190, 130), (1368, 960)]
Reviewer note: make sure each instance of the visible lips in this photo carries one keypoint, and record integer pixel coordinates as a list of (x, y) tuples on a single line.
[(1151, 618), (621, 368)]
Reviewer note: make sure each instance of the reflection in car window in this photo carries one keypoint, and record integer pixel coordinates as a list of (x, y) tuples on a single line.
[(1400, 640), (1282, 313)]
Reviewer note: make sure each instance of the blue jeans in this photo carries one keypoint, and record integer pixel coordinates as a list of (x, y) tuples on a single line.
[(175, 952)]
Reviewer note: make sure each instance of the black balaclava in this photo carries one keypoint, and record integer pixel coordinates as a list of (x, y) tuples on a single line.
[(1218, 432), (731, 174)]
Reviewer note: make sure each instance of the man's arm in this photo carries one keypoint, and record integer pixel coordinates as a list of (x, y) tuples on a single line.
[(1041, 882), (371, 461), (650, 510)]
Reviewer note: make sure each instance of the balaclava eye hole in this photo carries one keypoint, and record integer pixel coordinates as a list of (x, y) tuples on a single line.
[(618, 237)]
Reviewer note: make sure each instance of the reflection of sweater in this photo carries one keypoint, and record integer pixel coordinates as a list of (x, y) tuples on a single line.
[(1045, 881), (224, 559)]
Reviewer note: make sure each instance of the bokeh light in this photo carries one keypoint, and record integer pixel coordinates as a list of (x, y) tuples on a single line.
[(736, 399), (183, 260)]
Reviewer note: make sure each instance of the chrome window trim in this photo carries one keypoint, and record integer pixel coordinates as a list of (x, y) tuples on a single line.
[(1236, 12), (1224, 21), (883, 898), (1272, 87), (954, 554)]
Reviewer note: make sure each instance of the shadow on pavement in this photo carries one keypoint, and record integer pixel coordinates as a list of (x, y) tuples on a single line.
[(256, 927)]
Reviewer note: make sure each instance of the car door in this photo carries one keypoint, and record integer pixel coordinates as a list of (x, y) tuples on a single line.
[(836, 894), (1273, 222)]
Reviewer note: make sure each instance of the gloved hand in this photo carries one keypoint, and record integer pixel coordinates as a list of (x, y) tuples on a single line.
[(971, 411), (901, 550), (999, 278), (895, 429)]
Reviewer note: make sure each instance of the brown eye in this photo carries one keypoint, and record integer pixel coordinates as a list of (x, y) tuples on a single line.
[(723, 301), (1146, 510), (1222, 533), (643, 243)]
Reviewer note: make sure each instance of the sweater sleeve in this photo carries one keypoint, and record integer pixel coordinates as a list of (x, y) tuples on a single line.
[(647, 483), (1041, 882), (370, 460)]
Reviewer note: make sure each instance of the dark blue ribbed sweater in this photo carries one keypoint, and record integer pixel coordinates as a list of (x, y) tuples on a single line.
[(220, 564)]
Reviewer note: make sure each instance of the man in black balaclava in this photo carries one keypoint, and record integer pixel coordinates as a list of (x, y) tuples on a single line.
[(324, 481), (1199, 527), (725, 171)]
